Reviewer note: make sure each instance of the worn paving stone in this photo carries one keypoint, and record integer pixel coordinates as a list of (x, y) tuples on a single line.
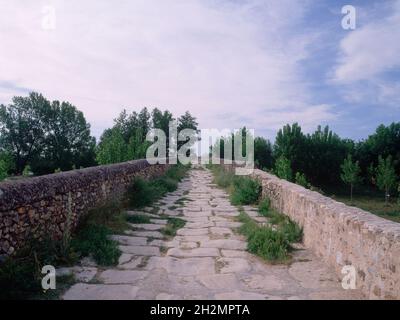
[(113, 276), (220, 231), (219, 281), (147, 226), (159, 221), (81, 274), (188, 245), (149, 234), (131, 264), (235, 253), (224, 244), (130, 241), (266, 282), (198, 252), (192, 232), (228, 224), (199, 225), (182, 267), (206, 259), (234, 265), (124, 258), (141, 250)]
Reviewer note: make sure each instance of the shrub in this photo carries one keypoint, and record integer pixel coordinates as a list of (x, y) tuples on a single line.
[(138, 219), (166, 184), (301, 180), (283, 168), (292, 231), (20, 275), (264, 207), (141, 193), (245, 191), (269, 244), (93, 240)]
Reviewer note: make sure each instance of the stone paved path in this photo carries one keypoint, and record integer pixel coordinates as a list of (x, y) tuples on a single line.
[(205, 260)]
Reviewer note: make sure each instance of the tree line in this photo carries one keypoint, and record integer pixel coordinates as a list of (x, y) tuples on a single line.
[(38, 136), (323, 158)]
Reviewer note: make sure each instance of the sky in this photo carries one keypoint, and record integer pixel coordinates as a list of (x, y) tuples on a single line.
[(254, 63)]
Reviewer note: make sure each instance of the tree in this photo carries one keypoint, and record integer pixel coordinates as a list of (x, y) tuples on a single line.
[(112, 147), (385, 175), (283, 168), (263, 153), (300, 179), (290, 144), (161, 121), (45, 135), (68, 143), (23, 128), (350, 173), (3, 170), (384, 142), (324, 153), (187, 121)]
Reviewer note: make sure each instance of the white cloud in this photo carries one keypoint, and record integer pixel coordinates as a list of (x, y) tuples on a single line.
[(211, 57), (368, 55)]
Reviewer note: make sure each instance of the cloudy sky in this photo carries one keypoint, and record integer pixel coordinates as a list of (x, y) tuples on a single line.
[(259, 63)]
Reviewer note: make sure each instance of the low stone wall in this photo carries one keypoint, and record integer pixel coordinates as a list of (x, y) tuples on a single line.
[(43, 206), (342, 235)]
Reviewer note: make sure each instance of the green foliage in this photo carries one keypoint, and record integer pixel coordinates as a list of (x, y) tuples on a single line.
[(317, 155), (264, 207), (6, 164), (283, 168), (172, 226), (263, 241), (138, 218), (350, 173), (386, 175), (301, 180), (143, 192), (27, 171), (93, 240), (3, 170), (291, 230), (222, 178), (263, 153), (384, 142), (268, 244), (245, 190), (112, 148), (45, 135), (20, 275)]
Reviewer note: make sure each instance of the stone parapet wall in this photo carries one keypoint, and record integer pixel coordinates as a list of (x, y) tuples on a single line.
[(342, 235), (43, 206)]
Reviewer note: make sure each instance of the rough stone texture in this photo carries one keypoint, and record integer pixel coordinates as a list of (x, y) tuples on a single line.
[(196, 265), (41, 206), (342, 235)]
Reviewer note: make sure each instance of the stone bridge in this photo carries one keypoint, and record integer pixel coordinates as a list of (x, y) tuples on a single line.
[(207, 259)]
